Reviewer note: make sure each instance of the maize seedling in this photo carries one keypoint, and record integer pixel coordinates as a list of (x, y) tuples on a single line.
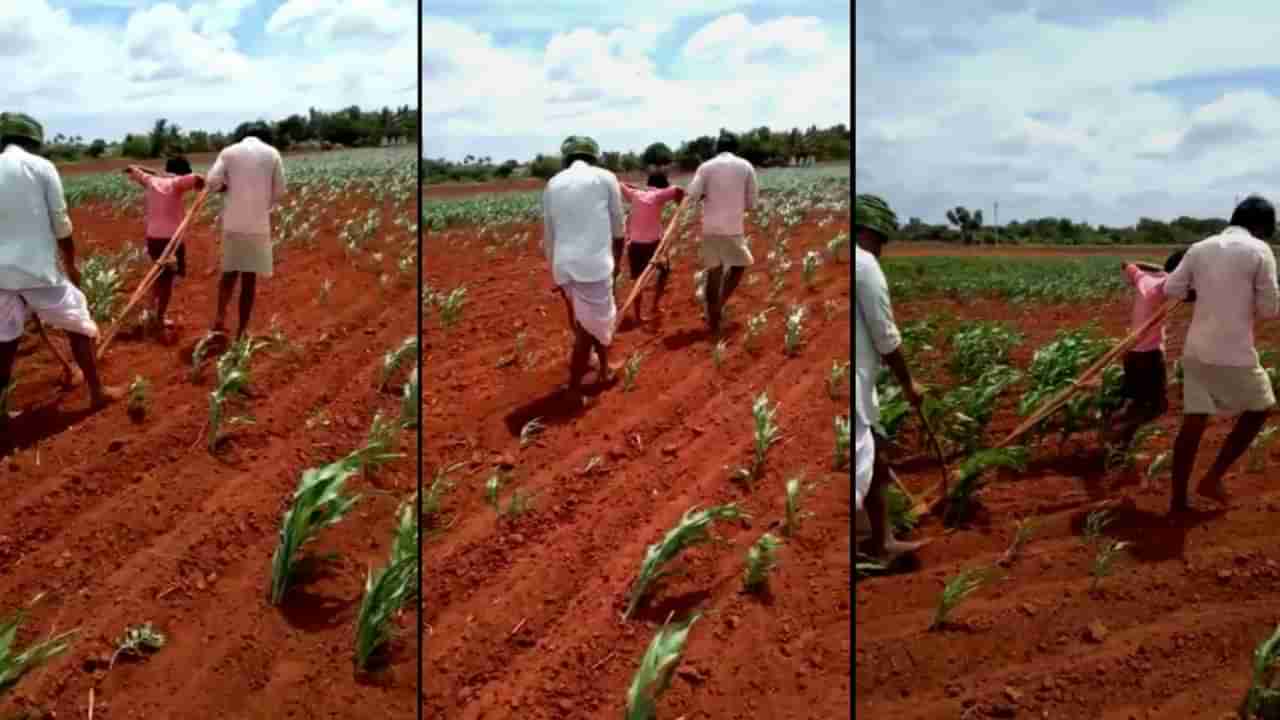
[(411, 402), (1262, 700), (1159, 465), (317, 504), (794, 335), (902, 512), (6, 392), (388, 590), (14, 665), (755, 325), (829, 309), (838, 247), (492, 487), (812, 260), (960, 498), (1259, 448), (1105, 559), (233, 379), (762, 557), (1022, 532), (837, 377), (766, 435), (451, 306), (693, 529), (139, 393), (440, 486), (657, 667), (956, 591), (631, 370), (326, 291), (843, 431), (100, 282), (376, 450), (137, 641), (1094, 524), (395, 359), (867, 566), (199, 353), (796, 492), (717, 354), (531, 430)]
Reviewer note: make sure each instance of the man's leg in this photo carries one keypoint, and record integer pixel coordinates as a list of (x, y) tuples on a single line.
[(8, 354), (882, 542), (580, 357), (714, 278), (1185, 448), (731, 283), (82, 351), (248, 287), (225, 286), (1238, 441), (605, 374)]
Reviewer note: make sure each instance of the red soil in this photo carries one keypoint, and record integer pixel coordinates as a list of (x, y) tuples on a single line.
[(523, 616), (1179, 617), (123, 523)]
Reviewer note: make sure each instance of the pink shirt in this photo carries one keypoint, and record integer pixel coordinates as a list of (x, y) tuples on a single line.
[(644, 225), (165, 209), (1150, 296)]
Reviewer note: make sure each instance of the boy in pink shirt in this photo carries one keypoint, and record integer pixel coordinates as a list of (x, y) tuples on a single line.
[(1145, 378), (164, 213), (644, 231)]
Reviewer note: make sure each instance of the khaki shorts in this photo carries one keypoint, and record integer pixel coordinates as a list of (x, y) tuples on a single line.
[(726, 251), (1224, 390), (242, 252)]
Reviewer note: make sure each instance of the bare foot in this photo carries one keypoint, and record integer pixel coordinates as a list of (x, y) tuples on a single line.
[(107, 395), (606, 375), (894, 549)]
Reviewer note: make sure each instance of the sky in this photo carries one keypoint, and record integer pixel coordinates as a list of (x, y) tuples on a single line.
[(1098, 111), (103, 68), (512, 79)]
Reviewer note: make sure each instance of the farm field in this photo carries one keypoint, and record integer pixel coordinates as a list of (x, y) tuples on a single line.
[(120, 522), (1168, 627), (524, 607)]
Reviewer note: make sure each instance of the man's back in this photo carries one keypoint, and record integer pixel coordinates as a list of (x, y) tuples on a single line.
[(1234, 276), (33, 214), (729, 185), (582, 213), (254, 174)]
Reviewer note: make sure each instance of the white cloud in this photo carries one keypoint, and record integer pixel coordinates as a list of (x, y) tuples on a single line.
[(612, 83), (1105, 111), (200, 64)]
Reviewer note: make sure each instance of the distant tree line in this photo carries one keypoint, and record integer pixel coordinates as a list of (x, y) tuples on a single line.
[(762, 146), (966, 227), (349, 127)]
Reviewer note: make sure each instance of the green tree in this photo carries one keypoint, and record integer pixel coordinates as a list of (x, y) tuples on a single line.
[(97, 148), (967, 223)]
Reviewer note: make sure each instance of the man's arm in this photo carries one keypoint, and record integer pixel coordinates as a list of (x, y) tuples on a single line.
[(617, 222), (1178, 284), (217, 175), (698, 186), (278, 185), (60, 222), (1266, 293), (548, 231), (753, 191), (873, 298)]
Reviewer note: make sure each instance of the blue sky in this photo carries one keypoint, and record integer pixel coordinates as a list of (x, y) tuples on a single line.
[(1098, 111), (102, 68), (512, 79)]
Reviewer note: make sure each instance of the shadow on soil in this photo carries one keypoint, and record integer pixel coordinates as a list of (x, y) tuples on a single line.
[(558, 407), (675, 607), (1154, 537), (39, 424), (312, 611)]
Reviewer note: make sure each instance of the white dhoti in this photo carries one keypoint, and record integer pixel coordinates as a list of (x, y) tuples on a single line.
[(864, 453), (593, 307), (62, 307)]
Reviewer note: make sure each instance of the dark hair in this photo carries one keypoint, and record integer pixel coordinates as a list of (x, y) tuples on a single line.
[(1256, 215), (571, 157), (177, 166), (728, 142), (1171, 262), (659, 180), (21, 141), (260, 130)]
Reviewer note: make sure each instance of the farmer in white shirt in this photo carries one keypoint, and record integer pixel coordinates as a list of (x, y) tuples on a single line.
[(34, 229), (876, 339), (583, 240), (252, 174), (1233, 276), (726, 184)]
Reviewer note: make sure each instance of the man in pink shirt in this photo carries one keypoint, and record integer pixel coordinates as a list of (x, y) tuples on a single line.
[(644, 230), (1145, 378), (164, 213), (726, 184), (1233, 275)]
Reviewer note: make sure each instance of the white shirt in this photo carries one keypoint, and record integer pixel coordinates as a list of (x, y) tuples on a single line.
[(33, 217), (1234, 276), (875, 334), (729, 185), (581, 215), (254, 174)]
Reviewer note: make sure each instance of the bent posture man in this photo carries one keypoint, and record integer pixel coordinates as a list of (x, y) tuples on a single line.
[(726, 184), (876, 338), (583, 241), (1233, 275), (252, 173), (34, 229)]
